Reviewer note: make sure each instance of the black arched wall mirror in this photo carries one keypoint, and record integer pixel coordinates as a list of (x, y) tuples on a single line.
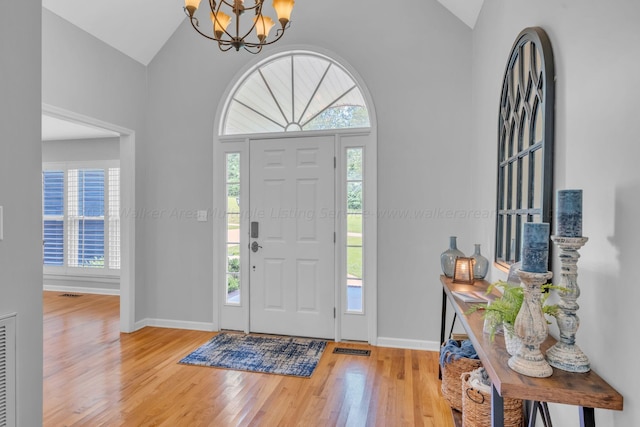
[(525, 142)]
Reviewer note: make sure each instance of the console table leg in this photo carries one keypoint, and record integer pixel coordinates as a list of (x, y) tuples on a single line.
[(587, 417), (453, 323), (546, 416), (497, 408), (443, 320), (532, 413), (443, 325), (443, 313)]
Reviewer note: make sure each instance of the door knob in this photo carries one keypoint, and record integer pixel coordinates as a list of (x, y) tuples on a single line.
[(255, 246)]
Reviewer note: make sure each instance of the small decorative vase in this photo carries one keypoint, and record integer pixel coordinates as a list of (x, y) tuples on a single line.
[(480, 265), (511, 341), (448, 257)]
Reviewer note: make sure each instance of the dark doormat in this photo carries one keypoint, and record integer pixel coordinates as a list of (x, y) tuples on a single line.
[(267, 354)]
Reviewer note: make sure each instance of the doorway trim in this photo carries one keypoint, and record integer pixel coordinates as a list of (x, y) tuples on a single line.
[(127, 208), (343, 138)]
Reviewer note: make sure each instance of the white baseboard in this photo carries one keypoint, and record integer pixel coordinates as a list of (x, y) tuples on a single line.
[(174, 324), (408, 344), (208, 327), (81, 290)]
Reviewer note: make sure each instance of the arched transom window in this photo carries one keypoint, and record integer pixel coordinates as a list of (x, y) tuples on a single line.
[(299, 91)]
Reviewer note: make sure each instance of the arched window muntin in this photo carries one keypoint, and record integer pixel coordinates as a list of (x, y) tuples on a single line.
[(294, 91), (525, 142)]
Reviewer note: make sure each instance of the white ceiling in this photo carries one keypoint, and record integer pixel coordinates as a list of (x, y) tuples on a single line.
[(140, 28), (137, 28), (56, 129), (466, 10)]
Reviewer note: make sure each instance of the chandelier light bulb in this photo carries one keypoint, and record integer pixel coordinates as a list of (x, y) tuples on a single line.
[(263, 26), (283, 9), (191, 6), (220, 23)]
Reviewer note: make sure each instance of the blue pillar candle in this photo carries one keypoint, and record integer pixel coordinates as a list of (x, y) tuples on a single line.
[(535, 247), (569, 213)]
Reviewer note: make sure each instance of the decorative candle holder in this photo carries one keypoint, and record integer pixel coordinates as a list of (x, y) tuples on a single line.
[(565, 354), (531, 327)]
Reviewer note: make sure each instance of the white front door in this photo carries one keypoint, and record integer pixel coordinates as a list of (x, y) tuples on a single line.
[(292, 236)]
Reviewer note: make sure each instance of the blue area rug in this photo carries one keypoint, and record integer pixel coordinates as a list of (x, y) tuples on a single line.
[(273, 355)]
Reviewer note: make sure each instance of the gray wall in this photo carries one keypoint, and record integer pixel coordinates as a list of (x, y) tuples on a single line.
[(21, 248), (83, 75), (76, 150), (597, 66), (419, 78)]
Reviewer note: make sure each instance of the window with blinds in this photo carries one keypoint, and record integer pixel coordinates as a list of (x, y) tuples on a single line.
[(81, 218), (114, 218), (85, 219), (53, 217)]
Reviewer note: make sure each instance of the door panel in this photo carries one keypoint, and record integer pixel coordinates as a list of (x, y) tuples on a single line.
[(292, 271)]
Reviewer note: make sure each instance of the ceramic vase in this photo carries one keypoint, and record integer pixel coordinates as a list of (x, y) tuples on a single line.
[(448, 257), (480, 265), (511, 341)]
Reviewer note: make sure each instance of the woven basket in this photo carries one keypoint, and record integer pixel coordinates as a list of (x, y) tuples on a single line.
[(476, 407), (451, 383)]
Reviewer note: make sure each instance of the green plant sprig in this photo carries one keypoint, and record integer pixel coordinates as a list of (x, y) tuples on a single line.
[(505, 309)]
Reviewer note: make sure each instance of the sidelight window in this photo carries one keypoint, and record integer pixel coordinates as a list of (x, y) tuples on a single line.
[(354, 203), (232, 214)]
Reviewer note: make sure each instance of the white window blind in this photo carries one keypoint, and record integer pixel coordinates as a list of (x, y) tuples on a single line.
[(53, 217), (85, 201), (81, 219), (114, 218)]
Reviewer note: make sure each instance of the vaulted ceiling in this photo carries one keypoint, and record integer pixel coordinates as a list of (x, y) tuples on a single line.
[(140, 28), (137, 28)]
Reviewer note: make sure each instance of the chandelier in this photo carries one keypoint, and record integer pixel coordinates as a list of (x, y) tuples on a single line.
[(237, 37)]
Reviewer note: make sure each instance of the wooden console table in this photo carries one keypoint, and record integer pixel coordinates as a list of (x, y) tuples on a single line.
[(587, 391)]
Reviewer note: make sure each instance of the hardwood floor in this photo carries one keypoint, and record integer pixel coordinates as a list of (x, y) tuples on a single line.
[(95, 376)]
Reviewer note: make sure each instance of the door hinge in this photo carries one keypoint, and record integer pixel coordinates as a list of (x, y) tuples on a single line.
[(335, 162), (334, 312), (334, 237)]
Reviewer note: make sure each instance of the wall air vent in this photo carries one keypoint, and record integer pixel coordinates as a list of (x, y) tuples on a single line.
[(8, 370)]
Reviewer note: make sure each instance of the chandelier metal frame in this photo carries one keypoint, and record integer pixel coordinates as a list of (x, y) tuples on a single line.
[(220, 20)]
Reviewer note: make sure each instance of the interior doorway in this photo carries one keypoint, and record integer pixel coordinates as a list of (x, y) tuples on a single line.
[(127, 206)]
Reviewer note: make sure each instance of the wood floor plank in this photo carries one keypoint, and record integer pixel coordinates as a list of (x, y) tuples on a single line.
[(96, 376)]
